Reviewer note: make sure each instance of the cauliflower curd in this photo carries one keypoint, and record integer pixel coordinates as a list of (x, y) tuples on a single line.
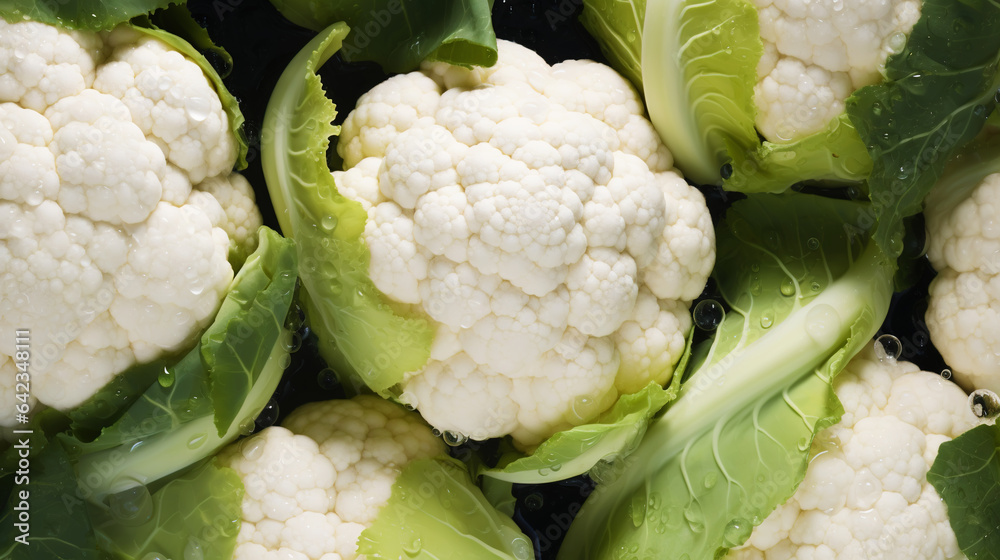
[(313, 485), (865, 494), (534, 214), (817, 53), (118, 211)]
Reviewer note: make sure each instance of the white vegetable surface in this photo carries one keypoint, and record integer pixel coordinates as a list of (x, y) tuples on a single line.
[(117, 206), (313, 485), (534, 214), (817, 53)]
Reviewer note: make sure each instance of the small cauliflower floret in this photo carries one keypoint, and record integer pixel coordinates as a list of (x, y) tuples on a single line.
[(865, 493), (313, 485), (963, 315), (817, 53), (171, 101), (534, 214), (113, 247)]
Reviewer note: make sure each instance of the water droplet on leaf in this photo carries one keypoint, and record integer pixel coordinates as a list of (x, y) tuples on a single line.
[(708, 314)]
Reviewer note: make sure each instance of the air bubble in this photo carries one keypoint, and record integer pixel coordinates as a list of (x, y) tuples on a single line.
[(131, 507), (812, 243), (708, 314), (327, 379), (268, 415), (888, 348), (985, 404), (454, 439), (534, 501)]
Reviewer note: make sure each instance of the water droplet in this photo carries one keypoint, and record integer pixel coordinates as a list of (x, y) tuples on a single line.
[(888, 348), (803, 444), (292, 342), (154, 556), (193, 550), (766, 320), (268, 415), (876, 108), (694, 519), (198, 108), (631, 36), (131, 507), (247, 426), (638, 509), (286, 360), (252, 448), (413, 547), (946, 373), (708, 314), (166, 377), (328, 222), (454, 439), (985, 404), (727, 170), (654, 501), (815, 286), (327, 379), (534, 501), (812, 243), (408, 400), (787, 287), (736, 532), (897, 41), (823, 325), (197, 441), (710, 480)]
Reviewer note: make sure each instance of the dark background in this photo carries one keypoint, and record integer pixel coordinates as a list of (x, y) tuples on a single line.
[(262, 42)]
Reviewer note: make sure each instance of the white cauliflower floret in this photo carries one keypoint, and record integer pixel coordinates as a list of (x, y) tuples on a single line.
[(963, 315), (315, 484), (865, 493), (526, 209), (108, 254), (171, 101), (817, 53)]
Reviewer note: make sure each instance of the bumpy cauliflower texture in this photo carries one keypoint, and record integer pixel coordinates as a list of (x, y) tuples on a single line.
[(115, 160), (865, 494), (963, 316), (534, 214), (817, 53), (315, 484)]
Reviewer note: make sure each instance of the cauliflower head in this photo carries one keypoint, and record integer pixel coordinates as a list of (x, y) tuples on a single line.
[(313, 485), (118, 208), (533, 214), (817, 53), (865, 493), (963, 315)]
